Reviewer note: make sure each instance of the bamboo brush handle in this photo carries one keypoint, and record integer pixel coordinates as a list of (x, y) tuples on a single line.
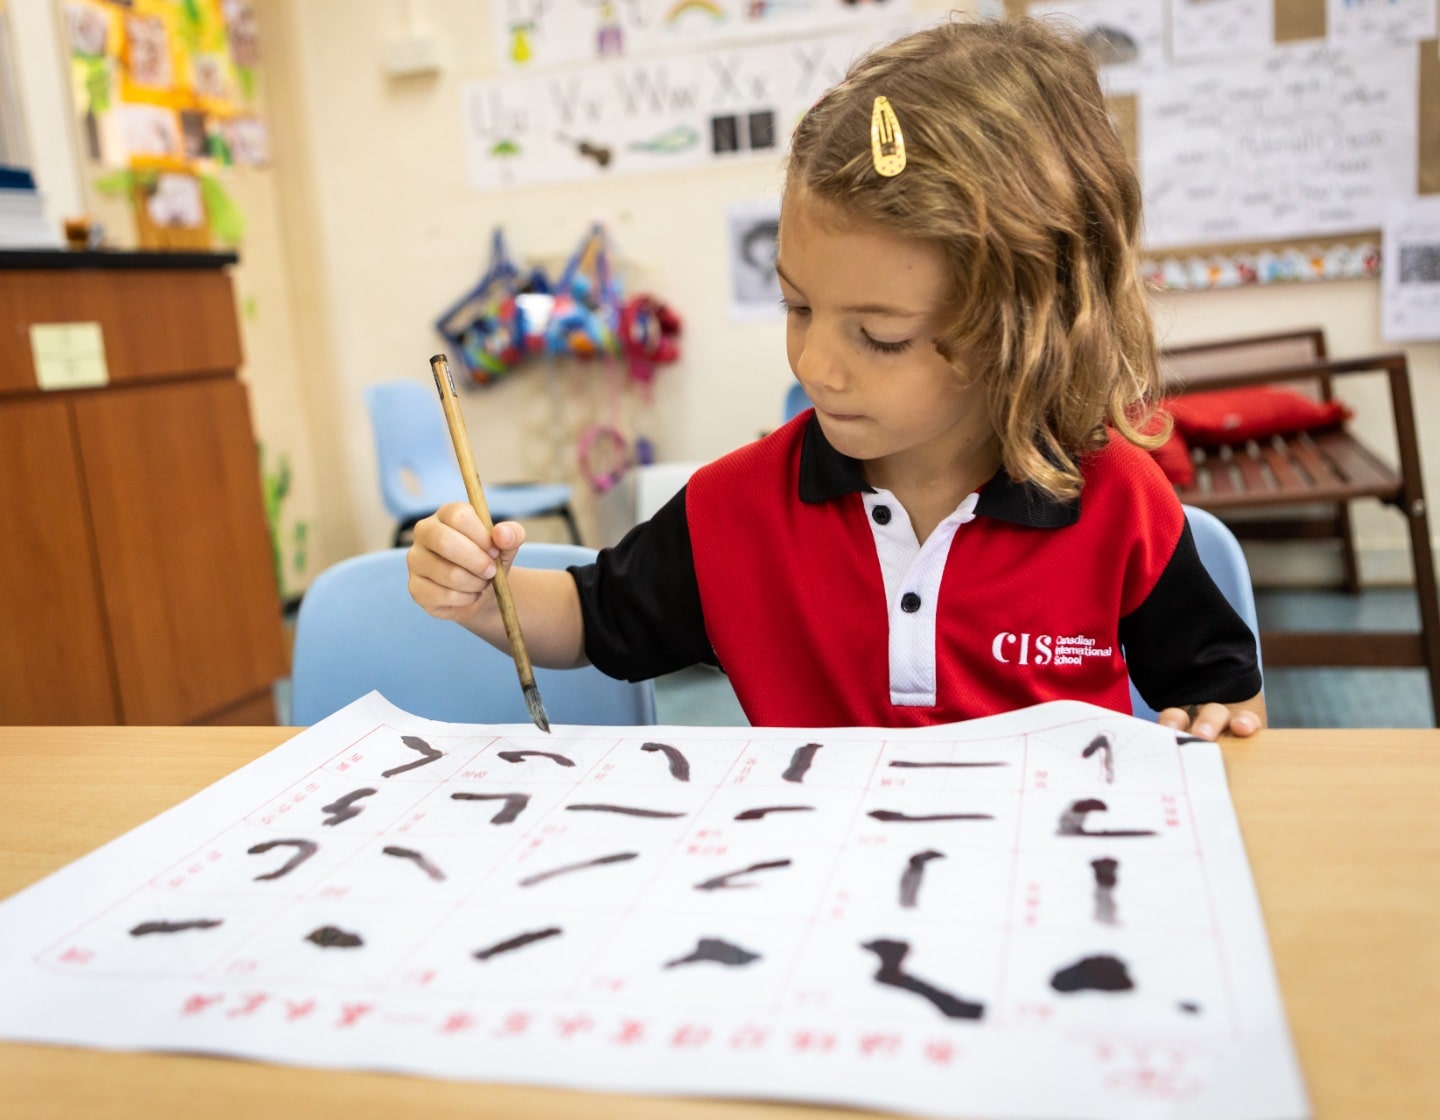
[(440, 367)]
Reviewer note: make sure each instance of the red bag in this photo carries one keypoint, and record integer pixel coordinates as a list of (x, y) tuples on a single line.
[(1235, 415)]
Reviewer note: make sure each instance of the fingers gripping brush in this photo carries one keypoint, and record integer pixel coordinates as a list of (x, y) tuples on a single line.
[(445, 385)]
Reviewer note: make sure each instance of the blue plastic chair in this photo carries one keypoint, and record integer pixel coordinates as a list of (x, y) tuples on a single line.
[(1220, 553), (796, 401), (418, 474), (358, 629)]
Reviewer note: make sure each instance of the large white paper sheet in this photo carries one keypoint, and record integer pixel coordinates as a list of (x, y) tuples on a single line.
[(1306, 141), (1042, 914), (1410, 275), (1127, 37), (1220, 28)]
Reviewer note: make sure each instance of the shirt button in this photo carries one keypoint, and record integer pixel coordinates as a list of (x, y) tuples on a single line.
[(881, 514), (910, 602)]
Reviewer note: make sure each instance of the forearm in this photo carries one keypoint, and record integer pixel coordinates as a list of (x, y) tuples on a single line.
[(548, 607)]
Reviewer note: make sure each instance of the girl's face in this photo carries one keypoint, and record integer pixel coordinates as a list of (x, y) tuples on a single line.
[(862, 309)]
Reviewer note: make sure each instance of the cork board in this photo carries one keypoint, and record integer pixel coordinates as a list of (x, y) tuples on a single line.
[(1296, 21)]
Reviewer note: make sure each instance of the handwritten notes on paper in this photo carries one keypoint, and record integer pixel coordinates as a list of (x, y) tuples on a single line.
[(1307, 140), (914, 920), (1216, 28)]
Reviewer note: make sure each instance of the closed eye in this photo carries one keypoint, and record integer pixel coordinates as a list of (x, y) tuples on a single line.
[(792, 308), (886, 347)]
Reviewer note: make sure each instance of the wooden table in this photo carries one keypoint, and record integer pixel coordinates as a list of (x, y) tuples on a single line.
[(1342, 829)]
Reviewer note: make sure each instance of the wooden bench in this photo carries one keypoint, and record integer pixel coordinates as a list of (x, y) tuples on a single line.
[(1303, 483)]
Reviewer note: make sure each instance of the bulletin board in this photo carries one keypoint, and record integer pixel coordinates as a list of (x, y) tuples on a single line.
[(1221, 261)]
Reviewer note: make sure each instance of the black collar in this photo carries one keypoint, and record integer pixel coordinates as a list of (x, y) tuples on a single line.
[(826, 474)]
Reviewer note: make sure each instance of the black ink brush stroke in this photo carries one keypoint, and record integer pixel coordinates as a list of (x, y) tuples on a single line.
[(304, 849), (1093, 974), (144, 929), (624, 810), (514, 804), (333, 937), (343, 809), (902, 764), (519, 941), (890, 816), (618, 857), (1072, 821), (417, 858), (757, 814), (714, 949), (722, 882), (1106, 878), (913, 875), (679, 764), (800, 761), (428, 755), (521, 756), (892, 957), (1101, 744)]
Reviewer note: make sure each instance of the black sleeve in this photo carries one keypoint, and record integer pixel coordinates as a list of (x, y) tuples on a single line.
[(640, 601), (1186, 644)]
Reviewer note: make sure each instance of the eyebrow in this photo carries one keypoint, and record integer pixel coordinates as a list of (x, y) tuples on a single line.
[(863, 308)]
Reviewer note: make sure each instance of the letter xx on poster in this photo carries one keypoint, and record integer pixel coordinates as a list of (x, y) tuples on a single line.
[(1046, 913)]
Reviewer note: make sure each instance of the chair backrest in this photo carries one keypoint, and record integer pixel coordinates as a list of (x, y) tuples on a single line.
[(796, 401), (413, 452), (1193, 365), (1221, 554), (358, 629)]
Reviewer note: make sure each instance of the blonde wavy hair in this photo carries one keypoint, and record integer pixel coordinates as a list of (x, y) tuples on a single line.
[(1014, 169)]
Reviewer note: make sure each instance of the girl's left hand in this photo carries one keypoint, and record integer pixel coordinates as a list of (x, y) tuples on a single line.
[(1210, 720)]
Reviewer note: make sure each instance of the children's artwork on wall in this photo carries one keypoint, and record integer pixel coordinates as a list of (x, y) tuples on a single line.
[(753, 227), (1304, 141), (1295, 264), (907, 920), (607, 119), (550, 34), (1126, 37)]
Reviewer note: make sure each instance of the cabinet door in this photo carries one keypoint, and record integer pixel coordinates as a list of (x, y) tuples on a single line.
[(53, 662), (185, 564)]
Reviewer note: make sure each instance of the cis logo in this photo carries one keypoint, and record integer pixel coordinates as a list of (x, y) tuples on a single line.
[(1023, 649)]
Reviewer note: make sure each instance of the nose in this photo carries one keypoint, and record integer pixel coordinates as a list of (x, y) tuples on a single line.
[(820, 363)]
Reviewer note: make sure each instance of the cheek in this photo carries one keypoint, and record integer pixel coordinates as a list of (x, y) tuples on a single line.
[(794, 343)]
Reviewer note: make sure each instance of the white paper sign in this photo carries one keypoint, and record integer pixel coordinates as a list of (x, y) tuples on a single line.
[(1126, 37), (1306, 141), (753, 228), (1042, 914), (1349, 22), (1410, 272), (1214, 28)]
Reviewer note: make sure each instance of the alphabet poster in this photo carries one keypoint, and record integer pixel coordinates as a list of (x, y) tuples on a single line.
[(1042, 914)]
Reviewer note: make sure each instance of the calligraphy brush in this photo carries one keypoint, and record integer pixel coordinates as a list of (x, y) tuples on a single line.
[(445, 385)]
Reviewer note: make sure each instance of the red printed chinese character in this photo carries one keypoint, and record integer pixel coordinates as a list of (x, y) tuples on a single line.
[(248, 1005), (352, 1013), (821, 1041), (76, 955), (569, 1027), (420, 977), (197, 1003), (457, 1023), (294, 1012), (514, 1023), (689, 1035), (748, 1036), (940, 1051), (631, 1031), (882, 1044)]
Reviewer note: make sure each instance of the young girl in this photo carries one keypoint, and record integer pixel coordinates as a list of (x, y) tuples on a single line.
[(967, 521)]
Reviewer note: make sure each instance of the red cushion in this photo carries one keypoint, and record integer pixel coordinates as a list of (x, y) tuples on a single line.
[(1234, 415), (1174, 458)]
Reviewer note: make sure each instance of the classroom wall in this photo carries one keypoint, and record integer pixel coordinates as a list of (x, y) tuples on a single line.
[(372, 230)]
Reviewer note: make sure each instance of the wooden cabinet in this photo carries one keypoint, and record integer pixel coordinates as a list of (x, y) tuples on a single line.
[(136, 579)]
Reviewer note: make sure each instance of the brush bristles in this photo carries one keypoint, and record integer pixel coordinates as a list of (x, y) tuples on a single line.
[(537, 709)]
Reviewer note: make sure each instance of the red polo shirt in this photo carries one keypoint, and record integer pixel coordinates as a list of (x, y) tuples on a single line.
[(780, 564)]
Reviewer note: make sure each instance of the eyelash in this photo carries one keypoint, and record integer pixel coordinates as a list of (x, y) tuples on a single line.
[(870, 343)]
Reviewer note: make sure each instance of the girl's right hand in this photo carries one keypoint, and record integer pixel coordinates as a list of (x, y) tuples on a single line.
[(452, 560)]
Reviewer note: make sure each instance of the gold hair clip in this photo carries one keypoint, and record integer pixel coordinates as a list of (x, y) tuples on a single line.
[(887, 142)]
